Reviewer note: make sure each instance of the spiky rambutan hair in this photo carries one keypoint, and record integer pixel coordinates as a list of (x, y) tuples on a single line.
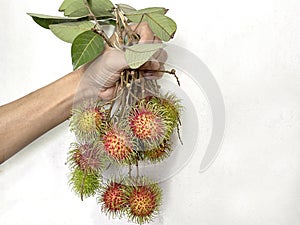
[(149, 124), (143, 199), (84, 183), (119, 144), (87, 156), (88, 120), (112, 198), (158, 153), (171, 106)]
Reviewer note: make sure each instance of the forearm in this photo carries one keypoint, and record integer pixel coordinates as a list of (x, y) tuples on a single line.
[(27, 118)]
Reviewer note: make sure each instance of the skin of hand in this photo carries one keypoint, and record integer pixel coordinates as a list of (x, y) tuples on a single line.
[(27, 118)]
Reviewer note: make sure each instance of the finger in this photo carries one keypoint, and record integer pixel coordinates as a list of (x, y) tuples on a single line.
[(105, 70), (153, 70), (146, 34), (161, 56), (107, 94), (151, 65), (156, 75), (144, 31)]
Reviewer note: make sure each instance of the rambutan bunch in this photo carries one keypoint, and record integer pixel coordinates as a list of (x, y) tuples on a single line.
[(137, 123)]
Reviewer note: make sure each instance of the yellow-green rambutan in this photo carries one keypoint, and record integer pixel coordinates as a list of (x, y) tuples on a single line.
[(84, 183), (171, 107), (88, 121)]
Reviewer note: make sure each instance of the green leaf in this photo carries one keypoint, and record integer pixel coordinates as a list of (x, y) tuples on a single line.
[(86, 47), (101, 7), (137, 55), (162, 26), (46, 20), (137, 14), (126, 8), (69, 31), (65, 5), (78, 8)]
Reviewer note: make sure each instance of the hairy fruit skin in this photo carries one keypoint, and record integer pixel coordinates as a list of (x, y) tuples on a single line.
[(88, 121), (88, 157), (159, 153), (146, 124), (149, 124), (118, 145), (112, 199), (172, 108), (143, 202), (84, 183)]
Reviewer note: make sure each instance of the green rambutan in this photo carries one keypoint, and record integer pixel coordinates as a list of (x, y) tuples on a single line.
[(143, 201), (118, 145), (171, 107), (88, 121), (84, 183), (112, 199)]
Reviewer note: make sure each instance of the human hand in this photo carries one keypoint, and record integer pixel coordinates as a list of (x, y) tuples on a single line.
[(105, 70)]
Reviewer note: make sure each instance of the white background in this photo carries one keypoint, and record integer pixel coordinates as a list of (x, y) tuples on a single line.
[(253, 50)]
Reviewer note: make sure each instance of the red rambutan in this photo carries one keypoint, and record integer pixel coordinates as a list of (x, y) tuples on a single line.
[(143, 201), (148, 124), (112, 199), (118, 145)]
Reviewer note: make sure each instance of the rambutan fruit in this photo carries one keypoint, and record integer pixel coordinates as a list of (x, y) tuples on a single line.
[(88, 121), (148, 123), (118, 145), (112, 199), (158, 153), (84, 183), (143, 199), (171, 107), (87, 156)]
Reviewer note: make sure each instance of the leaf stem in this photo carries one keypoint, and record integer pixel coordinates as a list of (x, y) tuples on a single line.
[(129, 170), (132, 36), (137, 169), (97, 30)]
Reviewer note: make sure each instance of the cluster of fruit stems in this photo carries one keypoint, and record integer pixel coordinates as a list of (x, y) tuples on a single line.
[(131, 81)]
